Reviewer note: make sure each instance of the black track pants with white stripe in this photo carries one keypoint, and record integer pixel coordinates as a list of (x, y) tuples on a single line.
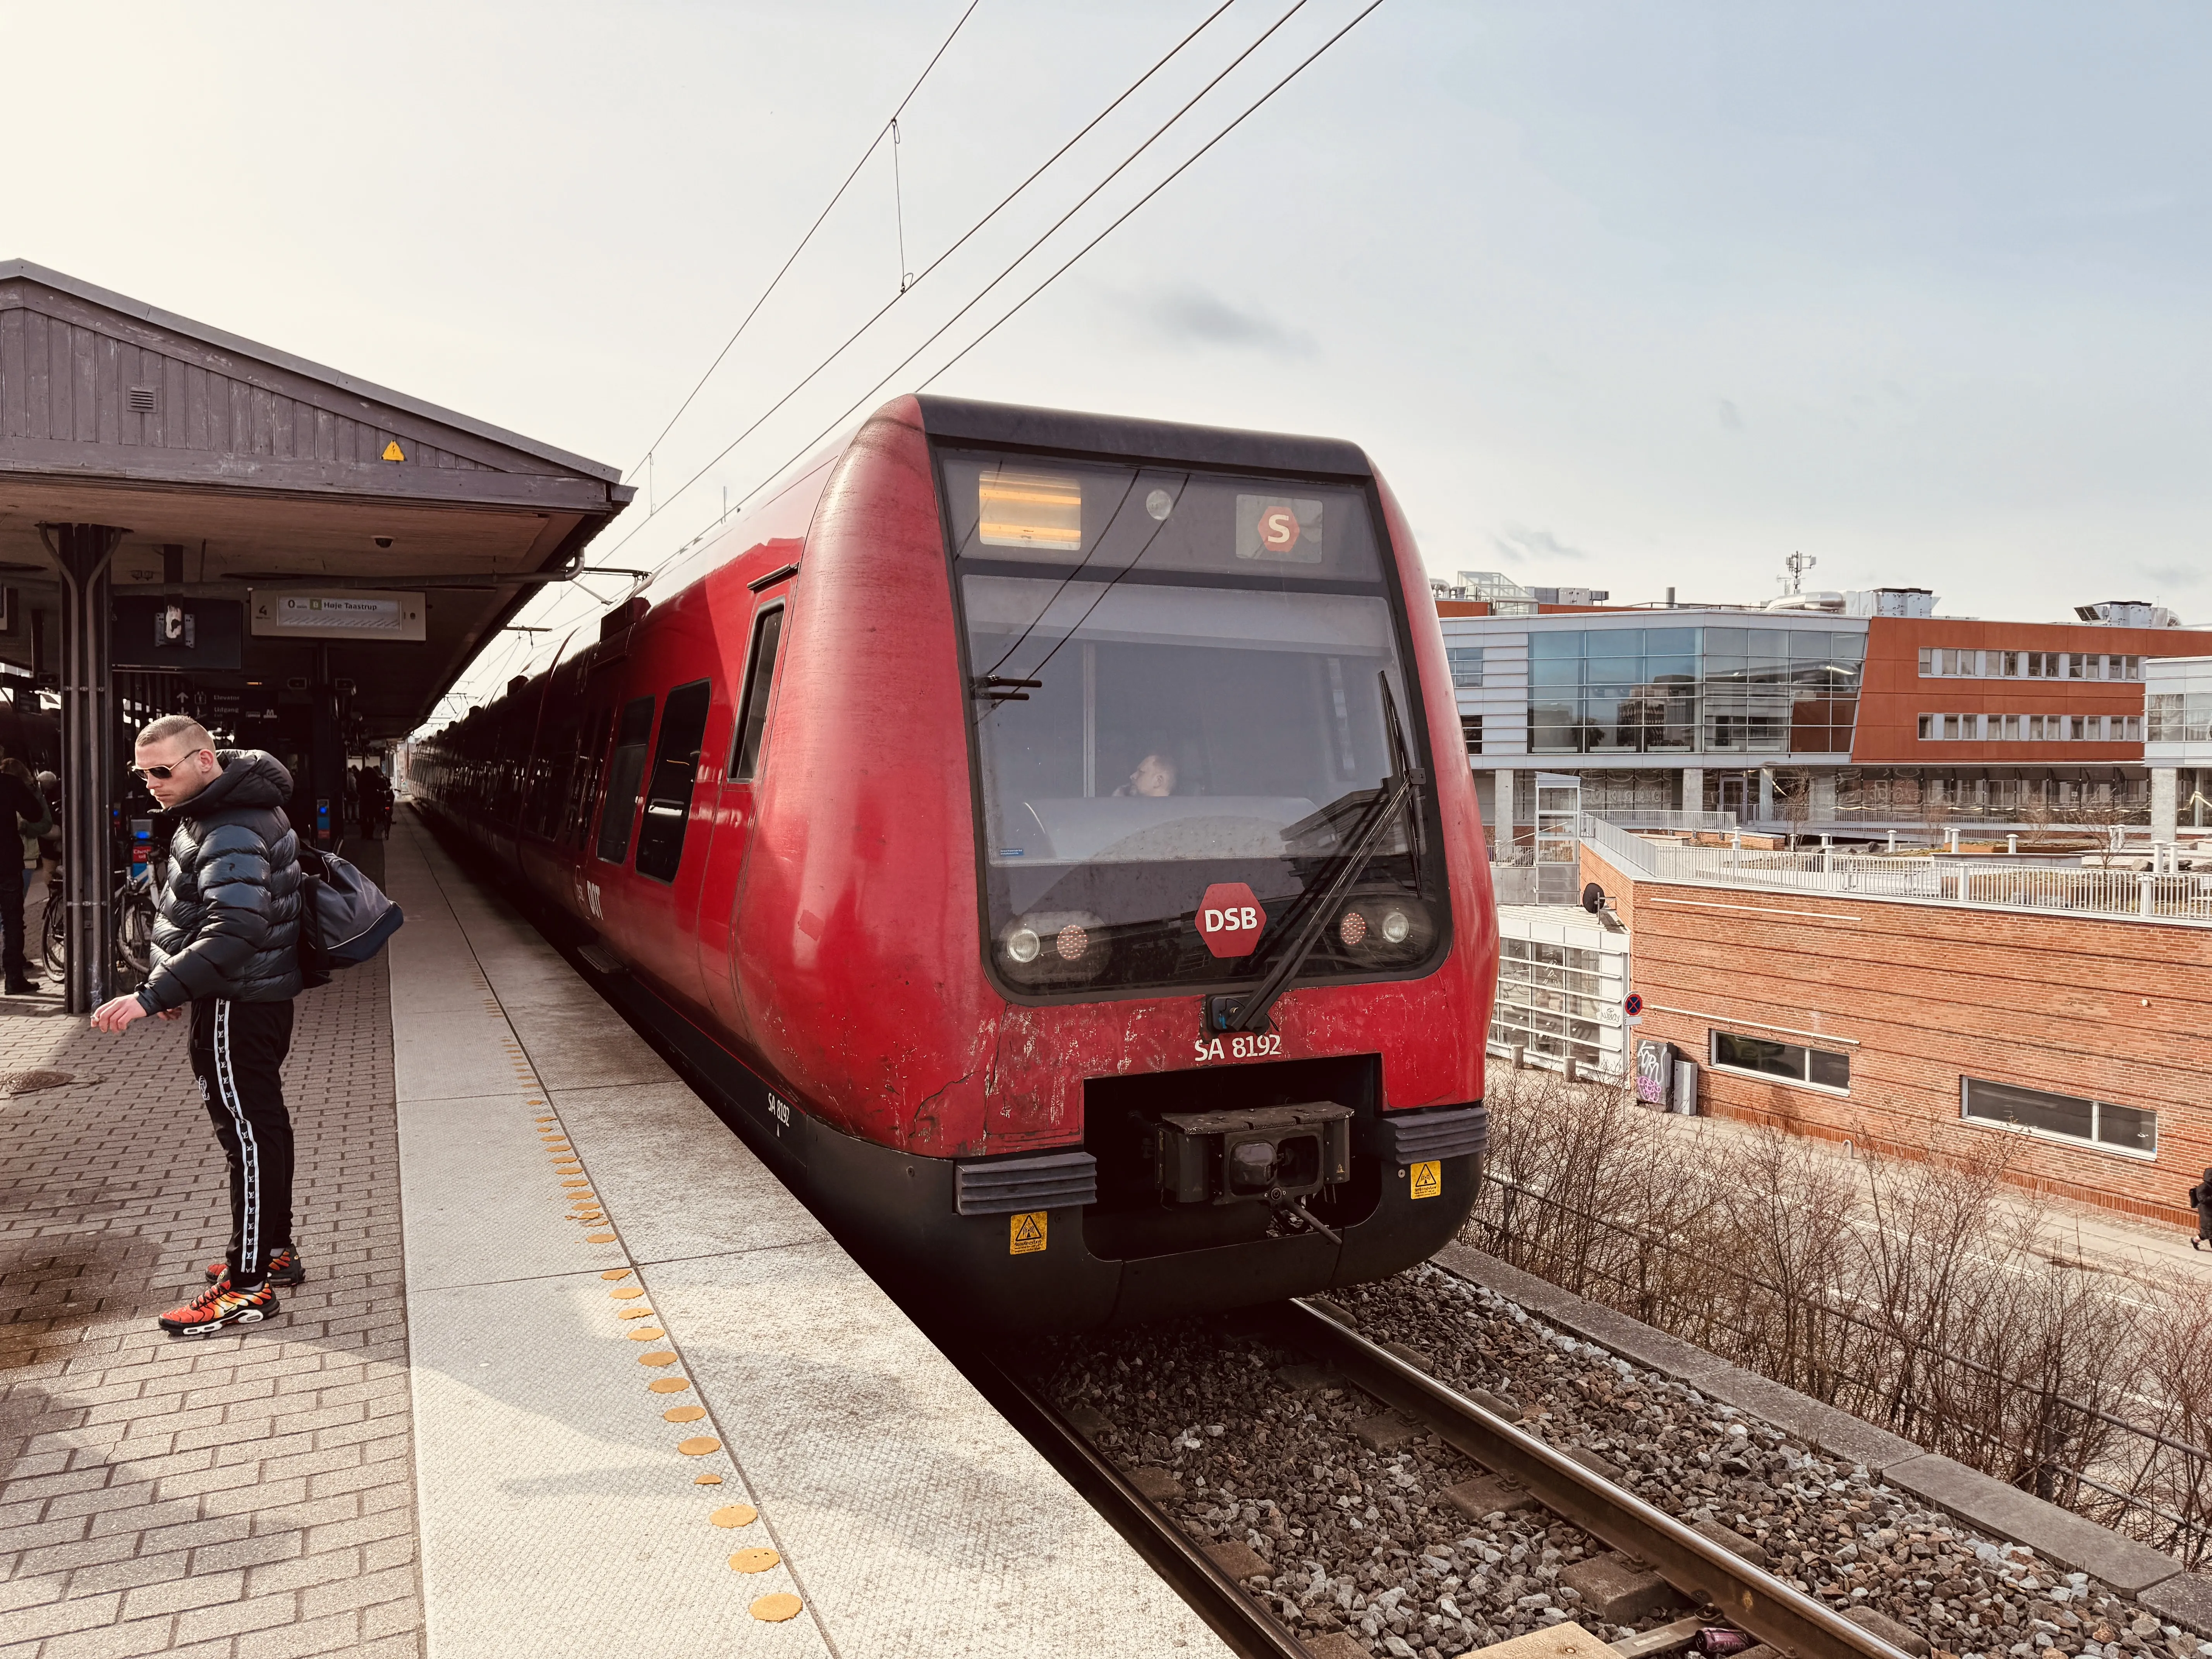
[(238, 1054)]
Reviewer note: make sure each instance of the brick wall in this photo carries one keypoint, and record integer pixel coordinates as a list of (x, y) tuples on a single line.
[(2116, 1011)]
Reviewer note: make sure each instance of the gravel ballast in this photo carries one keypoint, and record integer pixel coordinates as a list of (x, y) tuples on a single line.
[(1253, 1445)]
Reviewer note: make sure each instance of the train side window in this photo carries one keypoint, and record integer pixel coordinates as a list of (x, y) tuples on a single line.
[(668, 790), (625, 774), (760, 683)]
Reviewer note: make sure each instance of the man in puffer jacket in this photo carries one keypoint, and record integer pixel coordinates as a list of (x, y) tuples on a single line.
[(226, 945)]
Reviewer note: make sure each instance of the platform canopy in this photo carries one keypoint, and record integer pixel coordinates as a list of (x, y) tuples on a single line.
[(244, 474)]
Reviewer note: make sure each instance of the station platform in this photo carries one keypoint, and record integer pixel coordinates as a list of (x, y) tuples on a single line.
[(571, 1373)]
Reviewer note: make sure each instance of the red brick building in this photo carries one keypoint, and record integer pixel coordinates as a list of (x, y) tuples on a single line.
[(2081, 1039)]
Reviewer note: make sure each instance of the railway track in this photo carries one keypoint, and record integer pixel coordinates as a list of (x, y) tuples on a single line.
[(1704, 1573)]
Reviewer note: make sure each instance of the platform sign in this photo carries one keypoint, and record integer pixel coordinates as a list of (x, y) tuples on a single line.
[(1654, 1070), (1229, 919), (353, 613)]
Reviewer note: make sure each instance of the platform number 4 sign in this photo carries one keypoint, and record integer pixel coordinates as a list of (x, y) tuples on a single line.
[(1025, 1233), (1428, 1179)]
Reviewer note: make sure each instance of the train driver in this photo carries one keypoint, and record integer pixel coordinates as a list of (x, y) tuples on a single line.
[(1154, 777)]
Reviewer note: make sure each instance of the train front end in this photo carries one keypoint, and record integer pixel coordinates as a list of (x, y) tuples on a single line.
[(1230, 952)]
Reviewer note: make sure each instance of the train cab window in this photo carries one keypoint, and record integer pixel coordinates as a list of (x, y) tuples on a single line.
[(625, 774), (1181, 680), (760, 683), (668, 791)]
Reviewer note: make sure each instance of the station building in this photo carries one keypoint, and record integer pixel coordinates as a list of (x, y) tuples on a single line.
[(1858, 714), (194, 522)]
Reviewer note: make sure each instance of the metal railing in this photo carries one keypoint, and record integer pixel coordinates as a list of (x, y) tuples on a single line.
[(1989, 884)]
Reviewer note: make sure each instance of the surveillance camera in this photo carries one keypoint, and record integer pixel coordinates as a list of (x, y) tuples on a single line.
[(384, 541)]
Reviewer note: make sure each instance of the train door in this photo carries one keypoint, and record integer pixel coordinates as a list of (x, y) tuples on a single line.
[(734, 807), (662, 899), (609, 849)]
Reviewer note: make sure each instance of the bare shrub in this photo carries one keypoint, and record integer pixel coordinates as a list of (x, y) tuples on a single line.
[(1916, 1290)]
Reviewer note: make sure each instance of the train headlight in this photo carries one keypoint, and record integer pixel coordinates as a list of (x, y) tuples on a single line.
[(1052, 950), (1385, 930)]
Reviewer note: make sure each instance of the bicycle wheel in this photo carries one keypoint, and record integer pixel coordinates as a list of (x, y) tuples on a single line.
[(53, 943), (134, 927)]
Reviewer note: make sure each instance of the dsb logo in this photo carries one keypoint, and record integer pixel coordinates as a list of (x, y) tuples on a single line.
[(1229, 919)]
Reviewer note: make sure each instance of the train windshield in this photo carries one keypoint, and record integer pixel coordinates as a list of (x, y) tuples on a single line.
[(1185, 688)]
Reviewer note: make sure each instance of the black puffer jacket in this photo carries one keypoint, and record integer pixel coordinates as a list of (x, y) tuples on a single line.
[(229, 922)]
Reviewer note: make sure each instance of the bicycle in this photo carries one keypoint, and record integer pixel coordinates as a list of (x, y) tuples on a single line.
[(133, 908)]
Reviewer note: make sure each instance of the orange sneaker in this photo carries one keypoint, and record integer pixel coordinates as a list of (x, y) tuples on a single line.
[(208, 1313)]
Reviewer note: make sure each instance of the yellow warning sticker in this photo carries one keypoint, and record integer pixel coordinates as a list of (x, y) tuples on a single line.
[(1025, 1233), (392, 452), (1428, 1179)]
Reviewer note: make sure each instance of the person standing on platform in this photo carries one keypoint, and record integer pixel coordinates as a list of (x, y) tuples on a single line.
[(226, 945), (26, 809)]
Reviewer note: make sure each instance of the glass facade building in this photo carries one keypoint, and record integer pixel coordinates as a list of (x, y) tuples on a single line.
[(1693, 690)]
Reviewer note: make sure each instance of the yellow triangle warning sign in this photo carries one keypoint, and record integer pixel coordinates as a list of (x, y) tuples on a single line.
[(1025, 1233), (1428, 1179), (392, 452)]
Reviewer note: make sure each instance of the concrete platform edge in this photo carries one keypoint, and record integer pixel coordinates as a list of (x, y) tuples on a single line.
[(2129, 1567)]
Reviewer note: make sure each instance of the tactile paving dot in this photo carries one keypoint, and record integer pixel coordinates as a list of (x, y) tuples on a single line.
[(658, 1357), (756, 1559), (706, 1479), (633, 1313), (616, 1273), (775, 1609), (628, 1292), (650, 1334), (699, 1446), (598, 1238), (669, 1384), (578, 1183), (683, 1414), (735, 1515)]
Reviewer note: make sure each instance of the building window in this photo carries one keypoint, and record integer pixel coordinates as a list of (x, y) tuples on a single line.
[(1470, 727), (1658, 691), (1792, 1062), (1465, 662), (1557, 1001), (2097, 1123)]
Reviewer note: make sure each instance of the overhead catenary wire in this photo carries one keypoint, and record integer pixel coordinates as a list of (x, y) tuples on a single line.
[(654, 507), (1015, 310), (1251, 109), (784, 268)]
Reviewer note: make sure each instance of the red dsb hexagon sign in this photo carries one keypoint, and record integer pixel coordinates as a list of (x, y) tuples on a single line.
[(1229, 919)]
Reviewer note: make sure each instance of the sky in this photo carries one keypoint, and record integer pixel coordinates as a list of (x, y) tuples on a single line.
[(1626, 296)]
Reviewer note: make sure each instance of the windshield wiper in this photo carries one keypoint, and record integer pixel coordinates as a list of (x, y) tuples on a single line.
[(1249, 1011)]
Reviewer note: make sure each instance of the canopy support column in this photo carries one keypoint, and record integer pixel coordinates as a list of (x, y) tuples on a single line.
[(88, 776)]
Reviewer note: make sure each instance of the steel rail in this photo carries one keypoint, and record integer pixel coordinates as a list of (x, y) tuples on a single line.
[(1708, 1573), (1250, 1631)]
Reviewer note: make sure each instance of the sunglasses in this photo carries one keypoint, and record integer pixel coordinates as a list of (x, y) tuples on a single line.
[(143, 773)]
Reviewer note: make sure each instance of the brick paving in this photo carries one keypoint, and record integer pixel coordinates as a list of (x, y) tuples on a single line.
[(249, 1495)]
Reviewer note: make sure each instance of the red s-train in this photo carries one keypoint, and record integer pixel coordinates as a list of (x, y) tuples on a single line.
[(1049, 835)]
